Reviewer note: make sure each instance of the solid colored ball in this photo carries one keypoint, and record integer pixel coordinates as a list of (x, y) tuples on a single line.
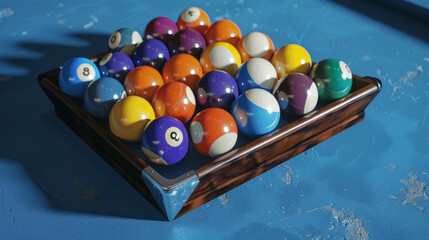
[(217, 89), (152, 53), (161, 28), (165, 141), (184, 68), (213, 132), (291, 58), (101, 95), (256, 73), (174, 99), (220, 56), (223, 31), (75, 76), (129, 117), (116, 65), (143, 81), (187, 41), (333, 79), (194, 18), (296, 93), (124, 40), (255, 44), (256, 112)]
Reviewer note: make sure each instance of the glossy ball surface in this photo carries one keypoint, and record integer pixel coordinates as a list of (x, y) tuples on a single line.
[(223, 31), (333, 79), (75, 76), (143, 81), (291, 58), (184, 68), (256, 73), (213, 132), (161, 28), (129, 117), (116, 65), (194, 18), (101, 95), (255, 44), (220, 56), (187, 41), (165, 141), (256, 112), (152, 53), (217, 89), (296, 93), (124, 40)]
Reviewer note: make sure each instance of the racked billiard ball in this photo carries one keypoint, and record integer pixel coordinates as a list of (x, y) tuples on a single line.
[(116, 65), (217, 89), (161, 28), (223, 31), (220, 56), (291, 58), (184, 68), (194, 18), (143, 81), (124, 40), (256, 73), (187, 41), (151, 52), (255, 44), (75, 76)]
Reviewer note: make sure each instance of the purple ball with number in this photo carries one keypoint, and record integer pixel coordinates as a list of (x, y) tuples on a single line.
[(217, 89), (116, 65), (296, 94), (187, 41), (160, 28), (152, 53)]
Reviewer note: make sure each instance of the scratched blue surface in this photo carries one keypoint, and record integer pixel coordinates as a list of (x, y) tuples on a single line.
[(368, 182)]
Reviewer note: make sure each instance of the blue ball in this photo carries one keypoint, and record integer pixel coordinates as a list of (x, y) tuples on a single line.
[(217, 89), (75, 76), (256, 112), (116, 65), (256, 73), (151, 52), (124, 40), (101, 95)]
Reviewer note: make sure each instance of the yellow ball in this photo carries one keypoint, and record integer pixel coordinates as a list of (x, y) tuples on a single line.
[(291, 58), (220, 56), (129, 117)]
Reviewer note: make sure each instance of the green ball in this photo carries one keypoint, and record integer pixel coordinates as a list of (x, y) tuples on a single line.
[(333, 79)]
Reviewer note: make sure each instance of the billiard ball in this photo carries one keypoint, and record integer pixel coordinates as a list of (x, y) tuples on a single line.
[(116, 65), (124, 40), (184, 68), (213, 132), (129, 117), (256, 73), (217, 89), (291, 58), (194, 18), (165, 141), (296, 93), (152, 53), (223, 31), (220, 56), (101, 95), (333, 79), (255, 44), (256, 112), (174, 99), (75, 76), (161, 28), (143, 81), (187, 41)]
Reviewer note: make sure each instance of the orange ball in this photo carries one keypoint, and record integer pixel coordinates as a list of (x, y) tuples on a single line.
[(223, 31), (255, 44), (185, 68), (194, 18), (143, 81)]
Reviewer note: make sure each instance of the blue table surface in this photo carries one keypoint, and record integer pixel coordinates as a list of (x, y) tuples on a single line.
[(368, 182)]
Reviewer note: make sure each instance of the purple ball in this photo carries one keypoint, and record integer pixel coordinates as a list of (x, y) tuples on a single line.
[(152, 53), (116, 65), (187, 41), (217, 89), (165, 141), (160, 28)]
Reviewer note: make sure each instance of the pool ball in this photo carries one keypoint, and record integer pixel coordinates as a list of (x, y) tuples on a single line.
[(194, 18), (161, 28), (220, 56), (187, 41), (165, 141), (333, 79), (223, 31), (143, 81), (213, 132), (255, 44), (75, 76), (116, 65), (124, 40), (256, 112), (256, 73), (101, 95), (291, 58), (174, 99), (184, 68), (152, 53), (129, 117), (296, 93), (217, 89)]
